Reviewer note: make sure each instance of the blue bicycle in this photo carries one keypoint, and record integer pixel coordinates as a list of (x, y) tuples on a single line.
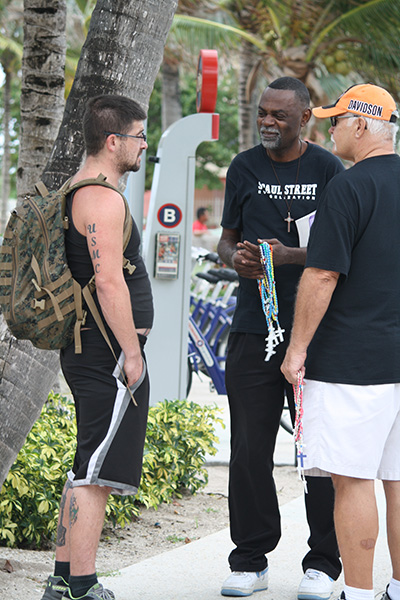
[(213, 301)]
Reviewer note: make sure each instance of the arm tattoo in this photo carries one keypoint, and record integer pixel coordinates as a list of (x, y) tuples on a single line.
[(61, 530), (73, 511), (95, 252)]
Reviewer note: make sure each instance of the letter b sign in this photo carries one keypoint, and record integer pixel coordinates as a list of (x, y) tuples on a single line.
[(169, 215)]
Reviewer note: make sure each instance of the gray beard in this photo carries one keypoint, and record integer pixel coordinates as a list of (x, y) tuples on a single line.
[(272, 144)]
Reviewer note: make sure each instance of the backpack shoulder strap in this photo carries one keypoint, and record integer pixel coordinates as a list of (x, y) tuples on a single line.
[(43, 191)]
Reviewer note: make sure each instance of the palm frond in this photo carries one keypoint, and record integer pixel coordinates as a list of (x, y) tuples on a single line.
[(222, 32), (380, 16), (7, 43)]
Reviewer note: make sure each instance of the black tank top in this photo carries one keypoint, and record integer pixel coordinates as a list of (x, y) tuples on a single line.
[(138, 282)]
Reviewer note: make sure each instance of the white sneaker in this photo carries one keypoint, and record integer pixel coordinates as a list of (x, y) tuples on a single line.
[(315, 585), (243, 583)]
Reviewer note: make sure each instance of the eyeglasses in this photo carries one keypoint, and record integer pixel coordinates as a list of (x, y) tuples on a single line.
[(141, 136), (335, 119)]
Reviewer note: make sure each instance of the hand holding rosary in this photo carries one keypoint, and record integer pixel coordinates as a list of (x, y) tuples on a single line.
[(269, 300), (298, 427)]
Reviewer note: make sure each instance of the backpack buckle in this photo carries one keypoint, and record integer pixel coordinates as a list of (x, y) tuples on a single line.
[(130, 267), (39, 304)]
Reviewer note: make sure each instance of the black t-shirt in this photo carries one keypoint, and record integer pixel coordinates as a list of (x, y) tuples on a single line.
[(254, 204), (356, 233), (80, 263)]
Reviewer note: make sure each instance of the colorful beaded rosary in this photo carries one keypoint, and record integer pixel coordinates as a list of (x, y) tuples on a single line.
[(298, 427), (269, 300)]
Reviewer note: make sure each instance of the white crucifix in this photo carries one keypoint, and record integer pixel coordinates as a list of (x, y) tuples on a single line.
[(288, 220), (279, 334), (271, 343)]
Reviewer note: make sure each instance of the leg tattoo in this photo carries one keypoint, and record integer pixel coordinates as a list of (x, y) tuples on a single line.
[(73, 510), (61, 530)]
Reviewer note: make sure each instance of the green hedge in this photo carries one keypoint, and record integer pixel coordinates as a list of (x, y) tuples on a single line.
[(179, 435)]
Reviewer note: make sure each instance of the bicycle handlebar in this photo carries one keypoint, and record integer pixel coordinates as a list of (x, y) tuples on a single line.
[(208, 277), (224, 273)]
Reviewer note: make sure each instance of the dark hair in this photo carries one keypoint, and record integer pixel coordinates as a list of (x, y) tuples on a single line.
[(291, 83), (108, 113), (201, 211)]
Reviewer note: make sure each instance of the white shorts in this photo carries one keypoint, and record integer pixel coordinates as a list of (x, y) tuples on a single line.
[(352, 430)]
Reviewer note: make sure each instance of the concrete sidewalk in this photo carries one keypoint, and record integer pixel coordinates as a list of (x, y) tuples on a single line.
[(200, 393), (197, 570)]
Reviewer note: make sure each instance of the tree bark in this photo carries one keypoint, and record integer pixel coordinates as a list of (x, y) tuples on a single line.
[(42, 87), (247, 58), (5, 192), (171, 109), (122, 55), (26, 377)]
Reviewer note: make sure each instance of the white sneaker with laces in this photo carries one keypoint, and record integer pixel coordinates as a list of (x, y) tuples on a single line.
[(315, 585), (243, 583)]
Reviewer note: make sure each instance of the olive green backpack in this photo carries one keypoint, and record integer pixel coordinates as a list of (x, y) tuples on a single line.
[(39, 298)]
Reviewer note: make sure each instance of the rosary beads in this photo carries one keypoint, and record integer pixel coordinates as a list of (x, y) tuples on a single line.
[(269, 300), (298, 427)]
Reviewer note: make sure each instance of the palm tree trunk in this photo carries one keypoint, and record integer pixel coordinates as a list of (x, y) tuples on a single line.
[(248, 59), (5, 192), (122, 55), (42, 88), (26, 377), (171, 110)]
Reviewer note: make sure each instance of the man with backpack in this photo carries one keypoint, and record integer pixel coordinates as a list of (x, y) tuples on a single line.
[(111, 419)]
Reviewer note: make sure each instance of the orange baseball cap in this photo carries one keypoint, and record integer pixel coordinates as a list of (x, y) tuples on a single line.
[(366, 100)]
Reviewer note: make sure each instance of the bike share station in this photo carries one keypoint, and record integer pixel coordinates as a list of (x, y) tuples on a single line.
[(167, 242), (167, 239)]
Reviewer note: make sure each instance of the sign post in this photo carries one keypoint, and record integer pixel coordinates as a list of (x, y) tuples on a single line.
[(168, 236)]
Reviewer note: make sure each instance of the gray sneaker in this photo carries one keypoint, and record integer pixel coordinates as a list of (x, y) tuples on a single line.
[(96, 592), (55, 588)]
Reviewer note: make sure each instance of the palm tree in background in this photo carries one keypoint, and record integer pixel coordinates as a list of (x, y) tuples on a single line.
[(10, 60), (327, 44), (178, 53)]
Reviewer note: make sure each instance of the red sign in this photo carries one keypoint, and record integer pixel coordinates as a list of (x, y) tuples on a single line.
[(207, 81)]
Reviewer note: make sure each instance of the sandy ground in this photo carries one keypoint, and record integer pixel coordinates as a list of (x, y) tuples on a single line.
[(23, 573)]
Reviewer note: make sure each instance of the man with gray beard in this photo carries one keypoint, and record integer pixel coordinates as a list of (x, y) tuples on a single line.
[(268, 189)]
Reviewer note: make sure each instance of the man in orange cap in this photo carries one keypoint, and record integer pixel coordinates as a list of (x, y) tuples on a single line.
[(270, 189), (346, 334)]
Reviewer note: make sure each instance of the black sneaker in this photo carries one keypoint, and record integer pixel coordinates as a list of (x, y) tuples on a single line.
[(55, 588), (96, 592)]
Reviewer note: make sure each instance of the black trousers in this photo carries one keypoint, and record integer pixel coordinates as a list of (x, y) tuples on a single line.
[(256, 391)]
